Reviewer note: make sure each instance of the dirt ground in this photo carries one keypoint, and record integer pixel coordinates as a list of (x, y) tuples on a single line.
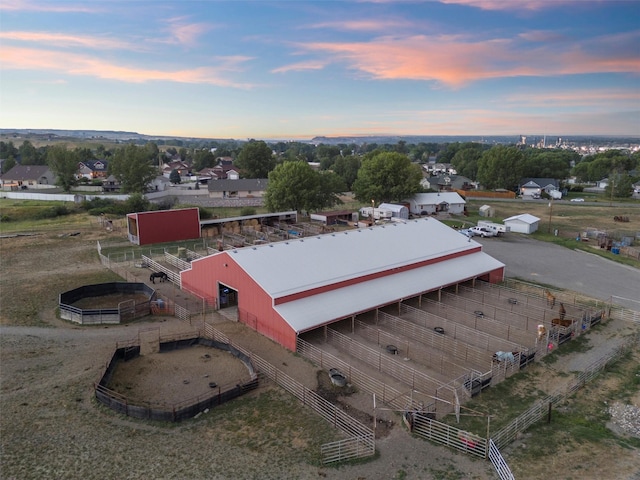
[(176, 376), (51, 426)]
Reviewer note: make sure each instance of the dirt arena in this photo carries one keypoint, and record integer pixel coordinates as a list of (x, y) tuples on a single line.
[(173, 377)]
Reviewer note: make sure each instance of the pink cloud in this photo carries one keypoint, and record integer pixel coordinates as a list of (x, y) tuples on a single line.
[(58, 7), (62, 40), (74, 64), (507, 4), (364, 25), (185, 33), (576, 98), (301, 66), (455, 61)]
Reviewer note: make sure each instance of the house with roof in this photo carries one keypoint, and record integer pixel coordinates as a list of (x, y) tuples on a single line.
[(285, 289), (524, 223), (439, 202), (28, 176), (534, 187), (238, 188), (91, 169), (451, 183)]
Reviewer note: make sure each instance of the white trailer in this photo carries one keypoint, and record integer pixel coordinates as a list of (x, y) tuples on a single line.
[(378, 213), (498, 228)]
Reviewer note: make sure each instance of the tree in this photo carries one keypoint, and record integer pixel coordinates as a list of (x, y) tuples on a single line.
[(296, 186), (8, 150), (621, 184), (64, 163), (8, 164), (347, 169), (133, 168), (466, 159), (500, 167), (387, 177), (255, 160), (548, 163), (174, 177), (29, 155), (203, 159)]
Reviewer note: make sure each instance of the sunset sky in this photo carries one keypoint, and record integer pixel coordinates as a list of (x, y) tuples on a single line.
[(297, 69)]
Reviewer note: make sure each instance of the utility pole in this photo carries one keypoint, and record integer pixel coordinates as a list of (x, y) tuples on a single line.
[(550, 213)]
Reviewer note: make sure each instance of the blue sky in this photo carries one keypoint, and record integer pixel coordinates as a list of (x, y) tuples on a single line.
[(297, 69)]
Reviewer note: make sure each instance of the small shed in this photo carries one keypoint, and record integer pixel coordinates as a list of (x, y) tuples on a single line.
[(524, 223), (487, 211), (397, 210), (333, 218), (145, 228)]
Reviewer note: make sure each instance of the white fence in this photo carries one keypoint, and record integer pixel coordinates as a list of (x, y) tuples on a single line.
[(499, 463)]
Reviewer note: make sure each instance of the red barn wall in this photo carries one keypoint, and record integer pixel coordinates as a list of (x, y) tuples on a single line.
[(168, 225), (255, 306)]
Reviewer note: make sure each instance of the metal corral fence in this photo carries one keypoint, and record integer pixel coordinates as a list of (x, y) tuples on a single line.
[(361, 441), (126, 310), (179, 411), (508, 434), (461, 440), (387, 394), (499, 463), (169, 306), (446, 395)]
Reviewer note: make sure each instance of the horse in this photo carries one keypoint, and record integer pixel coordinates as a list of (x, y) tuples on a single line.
[(161, 275), (551, 300), (562, 322), (562, 312), (542, 331)]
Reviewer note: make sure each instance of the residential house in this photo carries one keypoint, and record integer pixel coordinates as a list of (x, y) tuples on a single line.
[(182, 168), (451, 183), (534, 187), (28, 176), (91, 169), (110, 184), (433, 203), (238, 188)]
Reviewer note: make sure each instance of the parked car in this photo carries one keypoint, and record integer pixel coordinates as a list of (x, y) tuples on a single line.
[(577, 199), (466, 232), (482, 232)]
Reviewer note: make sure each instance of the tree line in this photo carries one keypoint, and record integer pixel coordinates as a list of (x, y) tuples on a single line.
[(383, 173)]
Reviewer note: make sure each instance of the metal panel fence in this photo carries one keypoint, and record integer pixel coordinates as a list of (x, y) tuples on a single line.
[(508, 434), (499, 463), (361, 441), (421, 325), (461, 440), (387, 394), (383, 362)]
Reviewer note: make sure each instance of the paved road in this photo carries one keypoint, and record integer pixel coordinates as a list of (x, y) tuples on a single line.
[(542, 262)]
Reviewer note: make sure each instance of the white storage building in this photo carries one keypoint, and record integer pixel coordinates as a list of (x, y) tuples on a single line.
[(524, 223)]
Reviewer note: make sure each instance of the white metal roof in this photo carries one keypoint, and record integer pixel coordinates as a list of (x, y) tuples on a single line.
[(437, 198), (314, 311), (295, 266), (525, 218)]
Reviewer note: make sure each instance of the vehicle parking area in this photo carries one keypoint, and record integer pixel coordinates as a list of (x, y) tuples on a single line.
[(436, 351)]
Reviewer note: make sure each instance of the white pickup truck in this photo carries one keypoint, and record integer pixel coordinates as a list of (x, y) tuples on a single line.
[(482, 232)]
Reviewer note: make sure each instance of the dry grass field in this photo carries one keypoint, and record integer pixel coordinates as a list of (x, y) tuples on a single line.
[(52, 427)]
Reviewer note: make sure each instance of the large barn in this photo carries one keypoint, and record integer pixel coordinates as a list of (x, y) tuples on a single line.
[(287, 288)]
